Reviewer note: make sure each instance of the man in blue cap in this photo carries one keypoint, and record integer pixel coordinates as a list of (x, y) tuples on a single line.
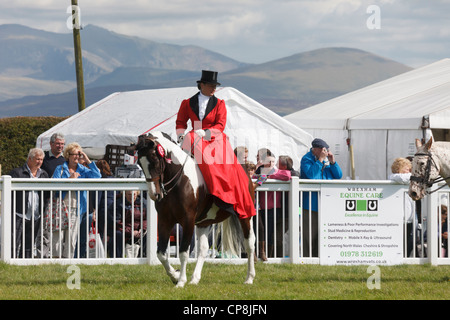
[(318, 163)]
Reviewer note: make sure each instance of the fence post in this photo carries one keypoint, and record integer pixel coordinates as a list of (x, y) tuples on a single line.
[(6, 219), (294, 247), (152, 232), (432, 227)]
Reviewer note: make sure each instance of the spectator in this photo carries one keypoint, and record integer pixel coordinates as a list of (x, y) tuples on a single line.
[(286, 163), (261, 155), (444, 226), (30, 214), (77, 166), (54, 157), (104, 216), (268, 166), (250, 167), (318, 163), (133, 225), (273, 208), (401, 173), (241, 153)]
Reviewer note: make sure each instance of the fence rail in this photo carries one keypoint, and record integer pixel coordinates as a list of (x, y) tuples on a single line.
[(285, 233)]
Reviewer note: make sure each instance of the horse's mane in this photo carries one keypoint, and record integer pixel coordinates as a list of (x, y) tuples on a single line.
[(169, 144), (168, 137), (179, 156), (163, 136)]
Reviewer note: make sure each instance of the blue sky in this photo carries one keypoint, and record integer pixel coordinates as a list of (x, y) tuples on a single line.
[(413, 32)]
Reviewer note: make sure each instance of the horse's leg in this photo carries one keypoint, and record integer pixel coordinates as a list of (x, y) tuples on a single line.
[(188, 230), (249, 243), (163, 252), (202, 243)]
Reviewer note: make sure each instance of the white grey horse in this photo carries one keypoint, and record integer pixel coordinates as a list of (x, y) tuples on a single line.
[(431, 164)]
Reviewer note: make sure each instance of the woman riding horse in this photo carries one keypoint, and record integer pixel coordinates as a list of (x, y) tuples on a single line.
[(226, 179)]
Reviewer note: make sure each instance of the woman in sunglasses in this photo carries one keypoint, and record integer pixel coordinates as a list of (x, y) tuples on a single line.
[(78, 165)]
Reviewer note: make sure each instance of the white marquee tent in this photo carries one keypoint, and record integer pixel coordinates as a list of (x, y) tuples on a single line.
[(382, 120), (121, 117)]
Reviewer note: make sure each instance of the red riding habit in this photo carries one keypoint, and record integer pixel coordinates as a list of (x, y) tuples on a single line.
[(224, 176)]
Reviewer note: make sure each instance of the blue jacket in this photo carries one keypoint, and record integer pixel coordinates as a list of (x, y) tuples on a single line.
[(310, 168), (91, 172)]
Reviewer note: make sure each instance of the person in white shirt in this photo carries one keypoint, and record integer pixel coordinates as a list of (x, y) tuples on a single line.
[(401, 173)]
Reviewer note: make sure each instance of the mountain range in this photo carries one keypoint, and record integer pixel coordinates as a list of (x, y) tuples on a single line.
[(37, 73)]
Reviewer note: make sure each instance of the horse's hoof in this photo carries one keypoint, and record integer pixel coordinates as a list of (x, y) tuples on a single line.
[(175, 276), (180, 284)]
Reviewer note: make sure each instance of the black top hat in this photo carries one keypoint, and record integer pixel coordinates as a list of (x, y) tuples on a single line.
[(209, 77)]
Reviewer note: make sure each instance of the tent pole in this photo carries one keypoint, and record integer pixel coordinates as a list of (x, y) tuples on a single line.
[(350, 149), (352, 163)]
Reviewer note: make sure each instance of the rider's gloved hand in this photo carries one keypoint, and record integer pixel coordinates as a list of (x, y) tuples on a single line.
[(200, 132), (205, 134), (180, 138)]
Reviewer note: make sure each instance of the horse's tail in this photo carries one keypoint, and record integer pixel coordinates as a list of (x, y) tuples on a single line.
[(232, 236)]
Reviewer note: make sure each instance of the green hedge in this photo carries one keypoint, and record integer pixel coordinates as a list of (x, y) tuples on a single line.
[(18, 135)]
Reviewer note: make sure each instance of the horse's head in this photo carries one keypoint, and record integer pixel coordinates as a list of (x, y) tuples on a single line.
[(152, 159), (425, 169)]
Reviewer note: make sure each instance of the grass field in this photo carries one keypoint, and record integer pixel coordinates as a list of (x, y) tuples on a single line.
[(224, 282)]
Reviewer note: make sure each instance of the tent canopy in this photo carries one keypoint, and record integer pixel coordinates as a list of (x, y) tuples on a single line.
[(121, 117), (400, 102), (382, 120)]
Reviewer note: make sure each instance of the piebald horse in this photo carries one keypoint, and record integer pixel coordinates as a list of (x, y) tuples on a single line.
[(181, 196), (430, 161)]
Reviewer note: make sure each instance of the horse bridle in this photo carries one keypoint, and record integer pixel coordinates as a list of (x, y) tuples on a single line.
[(159, 179), (425, 179)]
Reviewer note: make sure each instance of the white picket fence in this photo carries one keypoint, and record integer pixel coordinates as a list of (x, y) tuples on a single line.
[(286, 247)]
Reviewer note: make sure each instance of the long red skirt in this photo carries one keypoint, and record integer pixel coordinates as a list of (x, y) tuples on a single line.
[(223, 174)]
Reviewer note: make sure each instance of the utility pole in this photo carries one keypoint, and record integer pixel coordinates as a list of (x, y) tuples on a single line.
[(76, 26)]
